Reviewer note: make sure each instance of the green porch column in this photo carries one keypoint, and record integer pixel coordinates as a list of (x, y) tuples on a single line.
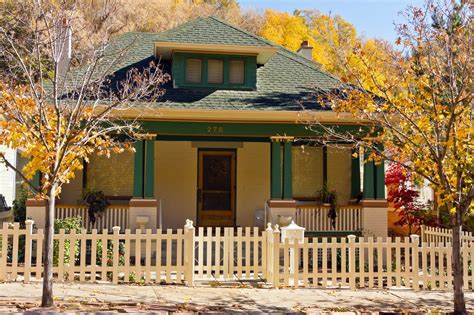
[(369, 178), (138, 169), (355, 175), (380, 180), (325, 166), (287, 171), (149, 168), (36, 181), (276, 192)]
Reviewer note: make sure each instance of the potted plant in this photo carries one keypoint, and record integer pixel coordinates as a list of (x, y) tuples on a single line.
[(97, 203), (328, 198)]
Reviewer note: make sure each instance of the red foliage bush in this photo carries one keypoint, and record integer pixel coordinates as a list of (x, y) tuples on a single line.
[(411, 211)]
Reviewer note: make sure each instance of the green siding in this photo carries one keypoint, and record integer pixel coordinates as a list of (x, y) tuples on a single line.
[(276, 192), (179, 71), (149, 168), (287, 172), (355, 176), (138, 170)]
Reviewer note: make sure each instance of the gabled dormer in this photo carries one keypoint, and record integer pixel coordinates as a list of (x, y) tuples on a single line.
[(225, 58)]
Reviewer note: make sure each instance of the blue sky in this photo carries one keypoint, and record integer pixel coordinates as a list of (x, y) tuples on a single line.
[(373, 18)]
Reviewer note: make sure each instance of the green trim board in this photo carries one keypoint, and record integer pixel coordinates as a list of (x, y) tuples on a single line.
[(149, 190), (138, 170), (276, 189), (212, 138), (287, 171), (179, 70), (235, 129)]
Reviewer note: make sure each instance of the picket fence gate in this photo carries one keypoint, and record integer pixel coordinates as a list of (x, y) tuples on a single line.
[(233, 254)]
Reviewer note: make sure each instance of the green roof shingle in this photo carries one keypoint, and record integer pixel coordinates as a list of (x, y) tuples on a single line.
[(285, 82)]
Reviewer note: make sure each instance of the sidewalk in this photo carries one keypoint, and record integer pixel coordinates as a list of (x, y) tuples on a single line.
[(18, 297)]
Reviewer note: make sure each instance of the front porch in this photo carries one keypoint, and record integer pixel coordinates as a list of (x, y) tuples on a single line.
[(228, 174)]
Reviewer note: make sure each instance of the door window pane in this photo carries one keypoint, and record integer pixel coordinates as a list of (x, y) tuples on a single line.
[(216, 183), (236, 71), (215, 71), (193, 70)]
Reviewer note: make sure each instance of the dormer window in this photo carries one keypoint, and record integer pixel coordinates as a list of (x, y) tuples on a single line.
[(221, 71), (193, 70), (215, 71), (236, 72)]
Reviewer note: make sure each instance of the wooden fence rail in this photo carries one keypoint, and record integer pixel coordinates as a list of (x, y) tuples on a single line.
[(436, 235), (188, 255)]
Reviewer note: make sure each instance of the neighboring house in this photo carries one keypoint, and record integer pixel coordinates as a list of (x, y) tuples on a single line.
[(7, 176), (227, 140)]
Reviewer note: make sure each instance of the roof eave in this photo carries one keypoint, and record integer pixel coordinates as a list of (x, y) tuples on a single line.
[(166, 49)]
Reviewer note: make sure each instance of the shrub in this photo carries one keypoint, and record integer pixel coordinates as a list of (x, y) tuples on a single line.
[(68, 224)]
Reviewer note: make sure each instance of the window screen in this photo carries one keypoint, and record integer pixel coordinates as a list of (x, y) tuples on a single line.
[(215, 71), (193, 70), (236, 71), (307, 170), (113, 176)]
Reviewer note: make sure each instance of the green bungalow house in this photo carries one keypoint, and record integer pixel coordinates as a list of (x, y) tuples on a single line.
[(227, 144)]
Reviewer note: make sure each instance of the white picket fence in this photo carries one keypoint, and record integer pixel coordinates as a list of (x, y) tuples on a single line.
[(436, 235), (315, 218), (113, 216), (233, 254)]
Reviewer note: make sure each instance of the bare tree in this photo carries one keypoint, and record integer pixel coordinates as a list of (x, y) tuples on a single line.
[(58, 105)]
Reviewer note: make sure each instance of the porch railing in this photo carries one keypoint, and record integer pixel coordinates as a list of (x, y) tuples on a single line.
[(315, 218), (113, 216)]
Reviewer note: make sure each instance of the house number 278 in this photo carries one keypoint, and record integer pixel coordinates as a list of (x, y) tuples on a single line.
[(215, 129)]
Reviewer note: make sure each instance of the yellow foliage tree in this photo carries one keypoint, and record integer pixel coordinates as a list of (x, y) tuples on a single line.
[(284, 29), (58, 117), (421, 109)]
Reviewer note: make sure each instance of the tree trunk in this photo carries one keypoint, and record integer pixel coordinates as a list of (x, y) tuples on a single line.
[(459, 303), (47, 298)]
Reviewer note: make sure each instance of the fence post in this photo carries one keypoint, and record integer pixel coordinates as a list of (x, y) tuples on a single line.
[(352, 262), (189, 252), (28, 250), (276, 256), (266, 268), (115, 255), (4, 247), (415, 242)]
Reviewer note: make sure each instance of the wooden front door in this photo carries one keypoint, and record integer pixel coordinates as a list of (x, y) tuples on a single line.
[(216, 188)]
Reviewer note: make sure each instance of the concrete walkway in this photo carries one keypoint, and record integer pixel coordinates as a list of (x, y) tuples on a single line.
[(129, 298)]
